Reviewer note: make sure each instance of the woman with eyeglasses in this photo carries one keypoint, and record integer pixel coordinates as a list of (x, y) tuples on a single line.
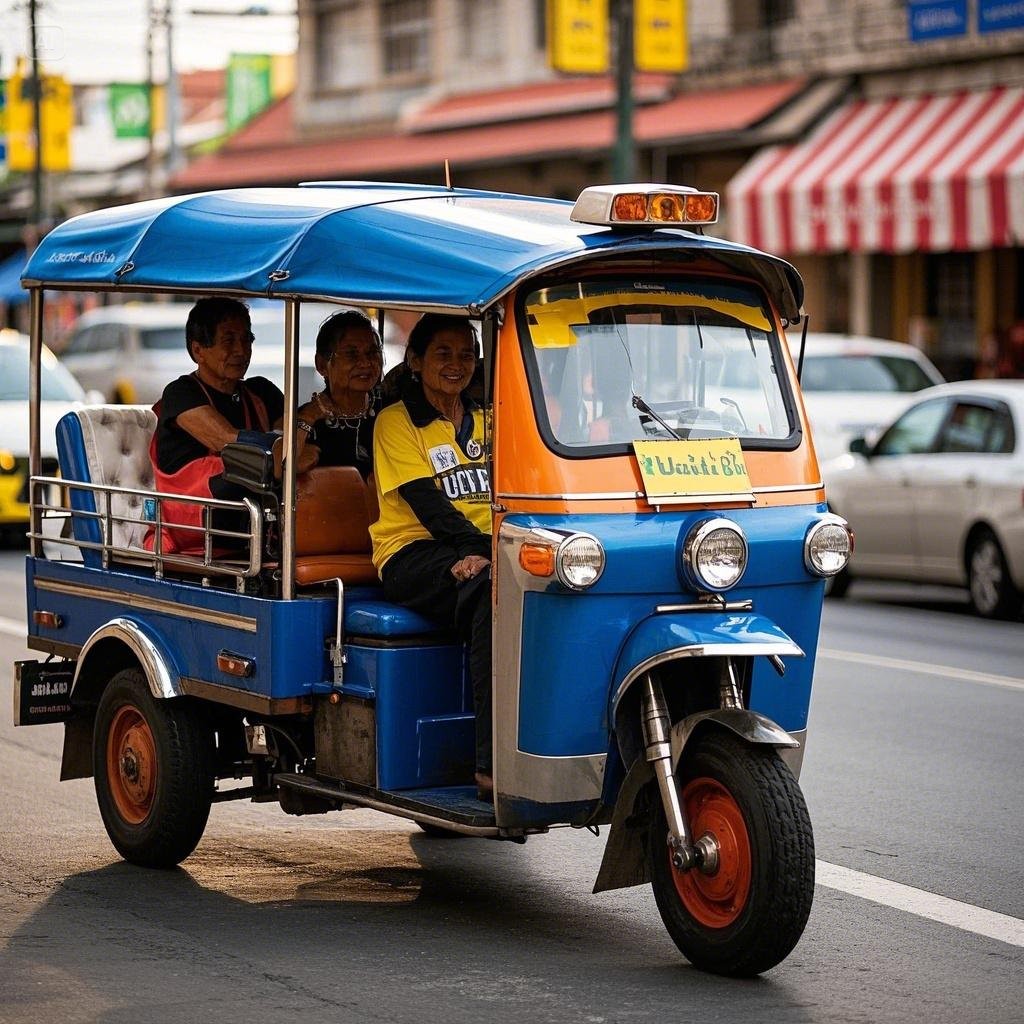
[(339, 420)]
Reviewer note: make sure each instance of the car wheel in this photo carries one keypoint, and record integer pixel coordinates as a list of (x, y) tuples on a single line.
[(993, 594)]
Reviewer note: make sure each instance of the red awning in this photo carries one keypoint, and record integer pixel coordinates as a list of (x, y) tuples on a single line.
[(932, 173), (269, 150)]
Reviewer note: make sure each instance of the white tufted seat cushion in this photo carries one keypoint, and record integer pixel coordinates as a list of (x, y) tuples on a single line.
[(116, 442)]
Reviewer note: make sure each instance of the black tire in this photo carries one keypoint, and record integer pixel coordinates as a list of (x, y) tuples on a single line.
[(993, 595), (153, 766), (745, 917)]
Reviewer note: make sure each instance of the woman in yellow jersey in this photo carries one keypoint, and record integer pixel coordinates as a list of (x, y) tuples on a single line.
[(432, 542)]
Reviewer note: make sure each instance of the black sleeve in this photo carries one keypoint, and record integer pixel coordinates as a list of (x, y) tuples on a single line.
[(270, 394), (179, 396), (444, 521)]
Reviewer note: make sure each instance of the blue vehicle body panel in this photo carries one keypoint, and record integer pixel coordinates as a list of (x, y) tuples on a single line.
[(368, 244), (586, 640)]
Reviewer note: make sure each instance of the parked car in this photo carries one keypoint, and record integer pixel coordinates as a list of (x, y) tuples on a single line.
[(939, 497), (60, 392), (129, 352), (852, 385)]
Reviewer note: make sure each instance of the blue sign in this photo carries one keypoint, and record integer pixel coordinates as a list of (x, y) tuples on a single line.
[(936, 19), (997, 15)]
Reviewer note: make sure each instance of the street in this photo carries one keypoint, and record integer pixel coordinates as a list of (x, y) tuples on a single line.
[(912, 776)]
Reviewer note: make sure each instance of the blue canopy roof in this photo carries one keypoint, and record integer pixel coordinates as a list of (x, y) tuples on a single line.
[(358, 243), (11, 270)]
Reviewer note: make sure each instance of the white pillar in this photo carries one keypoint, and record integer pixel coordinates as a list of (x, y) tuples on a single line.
[(860, 293)]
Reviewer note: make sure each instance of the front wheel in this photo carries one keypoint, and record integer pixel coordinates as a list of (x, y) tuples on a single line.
[(745, 914), (153, 766), (993, 594)]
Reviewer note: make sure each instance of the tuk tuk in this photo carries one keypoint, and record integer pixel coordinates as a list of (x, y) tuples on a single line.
[(660, 548)]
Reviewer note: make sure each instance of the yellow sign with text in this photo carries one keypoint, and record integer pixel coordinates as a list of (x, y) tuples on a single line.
[(676, 471), (659, 36), (578, 35)]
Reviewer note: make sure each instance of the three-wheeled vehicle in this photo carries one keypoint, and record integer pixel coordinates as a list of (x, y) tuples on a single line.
[(660, 548)]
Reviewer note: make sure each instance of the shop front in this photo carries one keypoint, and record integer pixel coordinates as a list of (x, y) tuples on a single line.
[(906, 216)]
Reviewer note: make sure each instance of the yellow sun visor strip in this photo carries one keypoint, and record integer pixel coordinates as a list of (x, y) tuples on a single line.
[(551, 323)]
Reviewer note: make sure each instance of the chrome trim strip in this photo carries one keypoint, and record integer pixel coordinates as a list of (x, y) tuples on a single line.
[(228, 620), (606, 496)]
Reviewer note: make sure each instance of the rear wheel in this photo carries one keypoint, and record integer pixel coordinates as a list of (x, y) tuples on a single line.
[(993, 594), (746, 913), (153, 767)]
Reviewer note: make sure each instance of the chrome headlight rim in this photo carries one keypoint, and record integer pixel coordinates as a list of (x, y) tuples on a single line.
[(696, 536), (827, 521), (562, 554)]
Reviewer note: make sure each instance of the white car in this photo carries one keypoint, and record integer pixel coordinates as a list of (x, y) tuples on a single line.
[(853, 385), (129, 353), (59, 391), (939, 497)]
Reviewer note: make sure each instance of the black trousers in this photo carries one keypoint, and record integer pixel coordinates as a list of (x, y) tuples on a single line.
[(419, 577)]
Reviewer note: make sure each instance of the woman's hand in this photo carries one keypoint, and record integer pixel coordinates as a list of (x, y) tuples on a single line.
[(470, 566)]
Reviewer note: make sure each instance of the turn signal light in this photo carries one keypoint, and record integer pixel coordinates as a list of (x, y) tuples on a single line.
[(235, 664), (537, 559)]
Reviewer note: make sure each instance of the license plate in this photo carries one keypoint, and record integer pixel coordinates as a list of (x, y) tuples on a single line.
[(42, 692)]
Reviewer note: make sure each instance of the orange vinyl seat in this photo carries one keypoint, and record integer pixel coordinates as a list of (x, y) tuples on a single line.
[(332, 535)]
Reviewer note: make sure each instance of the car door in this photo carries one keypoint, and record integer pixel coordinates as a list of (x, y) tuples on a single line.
[(882, 508), (957, 485)]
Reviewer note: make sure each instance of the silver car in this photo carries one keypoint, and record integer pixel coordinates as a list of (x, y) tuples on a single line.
[(129, 353), (939, 496)]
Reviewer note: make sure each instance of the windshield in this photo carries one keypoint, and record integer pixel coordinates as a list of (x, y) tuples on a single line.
[(703, 355), (862, 373), (56, 383)]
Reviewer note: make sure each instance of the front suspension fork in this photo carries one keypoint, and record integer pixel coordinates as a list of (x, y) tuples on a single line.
[(686, 854)]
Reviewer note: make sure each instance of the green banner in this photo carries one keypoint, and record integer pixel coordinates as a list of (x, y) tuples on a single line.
[(249, 87), (129, 109)]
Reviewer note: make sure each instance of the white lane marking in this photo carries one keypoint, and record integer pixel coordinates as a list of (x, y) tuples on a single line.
[(964, 916), (948, 672), (13, 627)]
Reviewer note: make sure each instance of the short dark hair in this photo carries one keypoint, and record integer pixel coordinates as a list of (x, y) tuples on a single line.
[(206, 314), (431, 324), (337, 325)]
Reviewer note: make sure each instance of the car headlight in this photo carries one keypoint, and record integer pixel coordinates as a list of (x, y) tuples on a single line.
[(714, 555), (577, 559), (828, 546)]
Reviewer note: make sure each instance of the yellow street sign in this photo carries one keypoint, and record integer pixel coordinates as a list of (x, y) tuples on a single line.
[(659, 35), (56, 116), (578, 36)]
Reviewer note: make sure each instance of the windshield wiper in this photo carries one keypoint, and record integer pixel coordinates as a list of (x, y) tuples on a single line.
[(642, 406)]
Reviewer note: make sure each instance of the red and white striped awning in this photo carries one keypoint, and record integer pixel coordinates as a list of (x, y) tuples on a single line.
[(929, 173)]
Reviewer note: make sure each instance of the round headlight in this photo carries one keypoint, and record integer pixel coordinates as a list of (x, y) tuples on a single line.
[(715, 555), (828, 546), (579, 561)]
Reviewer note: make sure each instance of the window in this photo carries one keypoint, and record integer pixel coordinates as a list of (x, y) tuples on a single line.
[(978, 428), (915, 431), (701, 356), (341, 50), (405, 35), (481, 29), (862, 373)]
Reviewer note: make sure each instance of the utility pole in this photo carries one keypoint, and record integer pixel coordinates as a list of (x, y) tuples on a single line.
[(150, 143), (624, 161), (36, 85)]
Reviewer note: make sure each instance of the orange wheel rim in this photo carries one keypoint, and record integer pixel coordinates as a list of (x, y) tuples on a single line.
[(716, 900), (131, 765)]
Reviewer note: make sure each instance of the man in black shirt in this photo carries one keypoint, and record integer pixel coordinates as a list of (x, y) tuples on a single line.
[(214, 405)]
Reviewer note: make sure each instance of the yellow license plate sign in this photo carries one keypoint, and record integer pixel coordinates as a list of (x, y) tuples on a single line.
[(674, 471)]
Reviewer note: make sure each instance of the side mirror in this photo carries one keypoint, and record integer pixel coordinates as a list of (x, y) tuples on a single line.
[(250, 465), (860, 446)]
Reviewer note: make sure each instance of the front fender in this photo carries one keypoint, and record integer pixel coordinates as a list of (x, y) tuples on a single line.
[(665, 637)]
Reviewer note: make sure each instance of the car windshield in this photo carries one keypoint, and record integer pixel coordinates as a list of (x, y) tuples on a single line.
[(57, 384), (862, 372), (163, 337), (703, 355)]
